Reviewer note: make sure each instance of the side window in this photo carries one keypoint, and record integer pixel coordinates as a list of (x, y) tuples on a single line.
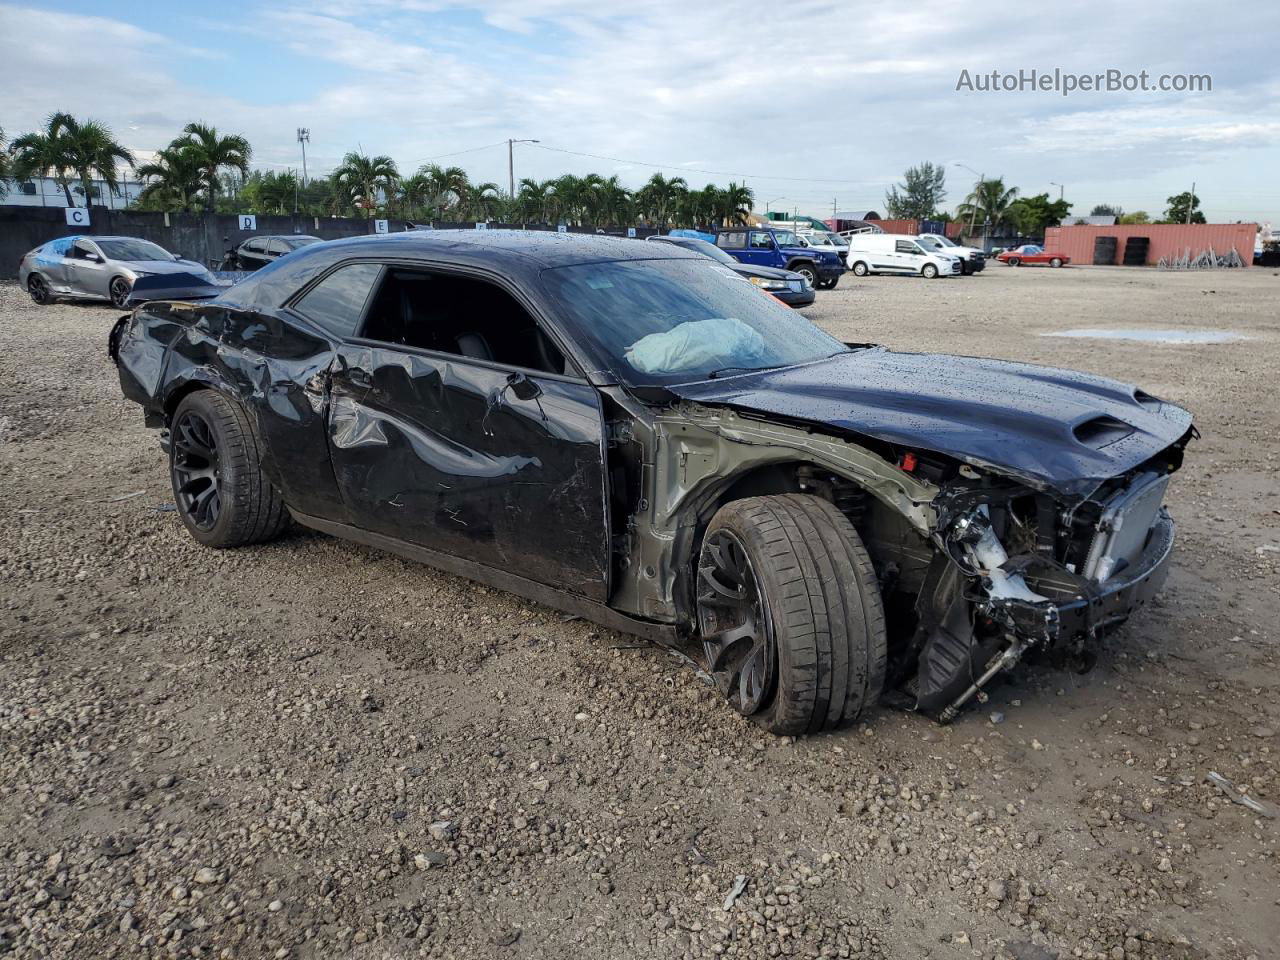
[(276, 248), (446, 313), (906, 246), (761, 241), (731, 241), (338, 300), (81, 251), (256, 245)]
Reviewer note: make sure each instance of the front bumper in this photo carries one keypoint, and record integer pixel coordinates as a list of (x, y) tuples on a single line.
[(792, 298), (1083, 610)]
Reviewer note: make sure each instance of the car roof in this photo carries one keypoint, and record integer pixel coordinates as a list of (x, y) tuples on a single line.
[(521, 254)]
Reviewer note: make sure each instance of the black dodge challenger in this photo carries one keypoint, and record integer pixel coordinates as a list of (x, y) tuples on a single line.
[(632, 433)]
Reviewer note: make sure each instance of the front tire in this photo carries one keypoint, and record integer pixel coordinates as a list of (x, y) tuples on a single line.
[(38, 290), (215, 465), (808, 271), (120, 289), (1055, 262), (860, 269), (790, 613), (929, 271), (1015, 262)]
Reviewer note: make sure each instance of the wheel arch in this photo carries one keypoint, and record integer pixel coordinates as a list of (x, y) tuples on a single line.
[(802, 262)]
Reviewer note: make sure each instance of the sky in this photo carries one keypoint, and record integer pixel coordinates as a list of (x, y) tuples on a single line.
[(814, 105)]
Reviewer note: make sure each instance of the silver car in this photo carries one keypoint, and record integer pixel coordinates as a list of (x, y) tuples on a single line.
[(98, 268)]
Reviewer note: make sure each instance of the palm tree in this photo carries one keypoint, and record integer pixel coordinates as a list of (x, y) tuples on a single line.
[(175, 176), (989, 203), (536, 202), (445, 187), (213, 153), (481, 201), (360, 177), (612, 202), (736, 203), (90, 149), (416, 192), (658, 197), (4, 166), (43, 154)]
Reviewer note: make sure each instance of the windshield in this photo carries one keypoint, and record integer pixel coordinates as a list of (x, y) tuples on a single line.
[(130, 249), (676, 321), (786, 238), (931, 243), (293, 243), (946, 242), (708, 250)]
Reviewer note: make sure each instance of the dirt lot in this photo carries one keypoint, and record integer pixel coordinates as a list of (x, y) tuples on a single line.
[(310, 749)]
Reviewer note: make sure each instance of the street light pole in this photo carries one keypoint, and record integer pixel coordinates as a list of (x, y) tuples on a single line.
[(511, 165), (1061, 188), (304, 137)]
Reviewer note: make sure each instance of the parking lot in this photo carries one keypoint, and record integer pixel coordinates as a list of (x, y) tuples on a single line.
[(311, 749)]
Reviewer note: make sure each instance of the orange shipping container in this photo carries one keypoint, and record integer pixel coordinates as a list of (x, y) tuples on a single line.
[(1170, 240)]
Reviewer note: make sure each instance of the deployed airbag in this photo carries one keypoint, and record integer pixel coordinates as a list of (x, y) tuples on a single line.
[(719, 341)]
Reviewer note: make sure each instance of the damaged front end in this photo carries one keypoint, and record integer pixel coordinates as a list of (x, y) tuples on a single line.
[(1025, 572)]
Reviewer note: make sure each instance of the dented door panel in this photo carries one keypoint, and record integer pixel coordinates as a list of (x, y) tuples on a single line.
[(439, 451)]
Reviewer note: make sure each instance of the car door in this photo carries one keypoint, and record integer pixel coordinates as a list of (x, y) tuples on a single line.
[(439, 440), (760, 250), (53, 262), (89, 275)]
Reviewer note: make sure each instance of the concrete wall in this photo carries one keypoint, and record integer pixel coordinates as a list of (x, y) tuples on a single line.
[(197, 237), (1167, 239)]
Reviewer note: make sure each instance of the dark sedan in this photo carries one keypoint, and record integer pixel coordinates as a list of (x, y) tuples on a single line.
[(632, 434), (256, 252), (787, 285)]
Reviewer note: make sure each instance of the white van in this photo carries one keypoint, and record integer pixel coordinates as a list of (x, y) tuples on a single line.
[(972, 260), (896, 253)]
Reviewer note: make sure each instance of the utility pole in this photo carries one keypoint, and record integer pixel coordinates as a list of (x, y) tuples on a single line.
[(1054, 183), (1191, 201), (511, 164), (304, 137)]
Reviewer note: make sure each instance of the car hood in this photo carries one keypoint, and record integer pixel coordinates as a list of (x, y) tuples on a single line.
[(765, 273), (163, 266), (1054, 429)]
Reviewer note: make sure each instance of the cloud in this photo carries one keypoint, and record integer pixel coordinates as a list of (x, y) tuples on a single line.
[(822, 103)]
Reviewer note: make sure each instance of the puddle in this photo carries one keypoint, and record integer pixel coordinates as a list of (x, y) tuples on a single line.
[(1152, 336)]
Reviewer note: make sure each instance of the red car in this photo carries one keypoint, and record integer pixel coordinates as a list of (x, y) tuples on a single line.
[(1030, 253)]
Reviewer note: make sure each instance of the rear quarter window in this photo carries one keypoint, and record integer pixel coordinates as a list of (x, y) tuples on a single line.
[(337, 302)]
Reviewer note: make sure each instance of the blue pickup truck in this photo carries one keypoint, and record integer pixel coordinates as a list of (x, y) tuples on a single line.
[(771, 247)]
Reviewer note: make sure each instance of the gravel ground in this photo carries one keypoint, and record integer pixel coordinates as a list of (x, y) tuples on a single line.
[(310, 749)]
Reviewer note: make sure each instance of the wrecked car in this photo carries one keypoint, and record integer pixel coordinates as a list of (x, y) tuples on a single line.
[(628, 432), (100, 268)]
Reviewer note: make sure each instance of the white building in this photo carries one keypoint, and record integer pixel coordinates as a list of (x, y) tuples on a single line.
[(47, 192)]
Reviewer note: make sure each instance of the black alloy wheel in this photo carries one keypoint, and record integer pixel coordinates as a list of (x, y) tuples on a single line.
[(38, 289), (120, 290), (737, 631), (196, 475)]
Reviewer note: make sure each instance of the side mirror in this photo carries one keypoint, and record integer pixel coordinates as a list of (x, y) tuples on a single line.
[(523, 387), (93, 258)]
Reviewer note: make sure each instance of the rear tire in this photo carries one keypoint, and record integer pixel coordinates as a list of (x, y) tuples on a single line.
[(790, 613), (860, 269), (215, 465), (830, 284), (1055, 262), (38, 290), (1015, 262)]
